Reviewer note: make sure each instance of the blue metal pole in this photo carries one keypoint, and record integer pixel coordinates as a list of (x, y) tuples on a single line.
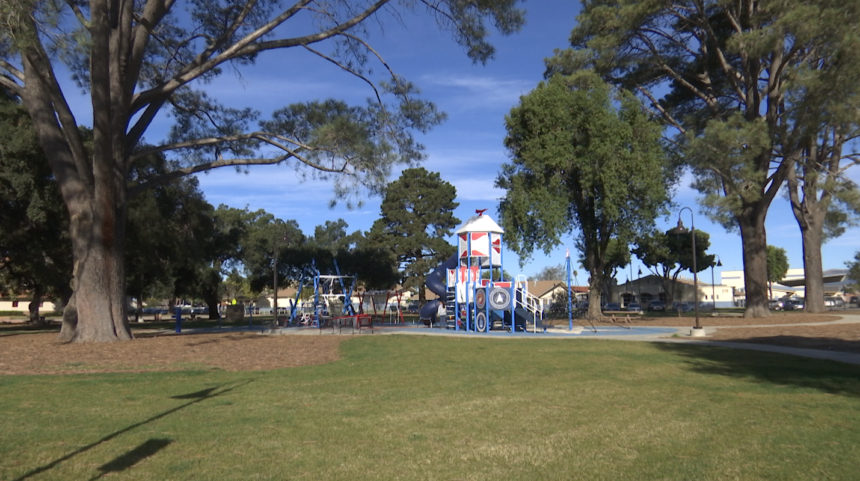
[(569, 296), (316, 296), (456, 299), (489, 281), (469, 314), (178, 311)]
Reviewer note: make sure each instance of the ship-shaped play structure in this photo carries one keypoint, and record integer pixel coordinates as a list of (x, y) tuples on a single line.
[(469, 297)]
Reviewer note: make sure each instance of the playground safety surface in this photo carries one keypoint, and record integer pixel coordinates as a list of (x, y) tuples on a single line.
[(241, 350)]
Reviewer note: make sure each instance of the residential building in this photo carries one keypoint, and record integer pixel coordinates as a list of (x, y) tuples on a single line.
[(21, 304), (648, 288)]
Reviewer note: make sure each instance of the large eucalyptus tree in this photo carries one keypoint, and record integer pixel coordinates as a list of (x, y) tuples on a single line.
[(760, 92), (586, 159), (139, 58)]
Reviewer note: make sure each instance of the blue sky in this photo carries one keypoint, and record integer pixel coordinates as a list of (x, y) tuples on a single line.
[(467, 150)]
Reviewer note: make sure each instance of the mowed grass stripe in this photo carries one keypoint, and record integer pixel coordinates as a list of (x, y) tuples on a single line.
[(411, 407)]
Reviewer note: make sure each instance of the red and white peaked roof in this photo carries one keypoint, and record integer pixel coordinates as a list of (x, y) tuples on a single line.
[(480, 223)]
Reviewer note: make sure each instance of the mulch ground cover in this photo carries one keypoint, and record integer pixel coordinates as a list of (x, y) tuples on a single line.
[(835, 337), (40, 353)]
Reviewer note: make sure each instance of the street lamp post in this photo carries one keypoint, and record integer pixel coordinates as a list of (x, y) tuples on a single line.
[(680, 229), (639, 283), (714, 287), (626, 292)]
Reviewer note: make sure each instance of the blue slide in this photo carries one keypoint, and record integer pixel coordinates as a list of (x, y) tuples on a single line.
[(437, 283)]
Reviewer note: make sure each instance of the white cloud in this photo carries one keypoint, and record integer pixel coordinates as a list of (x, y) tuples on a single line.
[(477, 189), (472, 91)]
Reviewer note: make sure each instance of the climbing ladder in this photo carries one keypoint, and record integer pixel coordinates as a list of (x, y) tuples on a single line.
[(525, 300), (450, 307)]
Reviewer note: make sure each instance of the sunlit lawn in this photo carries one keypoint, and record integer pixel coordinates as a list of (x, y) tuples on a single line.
[(412, 407)]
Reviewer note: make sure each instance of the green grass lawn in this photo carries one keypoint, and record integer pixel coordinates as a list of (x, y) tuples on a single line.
[(414, 407)]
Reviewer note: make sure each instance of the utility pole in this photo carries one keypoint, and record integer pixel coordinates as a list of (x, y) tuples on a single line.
[(275, 282)]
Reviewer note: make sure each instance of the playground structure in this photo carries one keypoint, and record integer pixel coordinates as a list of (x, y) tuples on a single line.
[(331, 300), (467, 300), (380, 303), (332, 297)]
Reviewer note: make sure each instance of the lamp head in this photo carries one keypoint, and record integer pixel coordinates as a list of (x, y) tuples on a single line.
[(719, 264), (679, 229)]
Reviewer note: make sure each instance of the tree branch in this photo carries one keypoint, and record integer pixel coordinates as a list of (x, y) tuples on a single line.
[(666, 115), (347, 69), (9, 84), (176, 174), (203, 63), (12, 70), (79, 14), (45, 73)]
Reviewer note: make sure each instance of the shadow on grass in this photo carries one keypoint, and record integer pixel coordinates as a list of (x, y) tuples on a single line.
[(136, 455), (194, 397), (777, 369), (804, 342)]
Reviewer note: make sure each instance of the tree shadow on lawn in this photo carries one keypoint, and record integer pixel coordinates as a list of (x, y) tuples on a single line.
[(803, 342), (780, 369), (195, 397), (150, 448)]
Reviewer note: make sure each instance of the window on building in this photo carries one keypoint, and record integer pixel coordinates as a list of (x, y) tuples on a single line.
[(41, 303), (14, 303)]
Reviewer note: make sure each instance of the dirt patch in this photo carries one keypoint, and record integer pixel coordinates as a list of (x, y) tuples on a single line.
[(835, 337), (40, 353)]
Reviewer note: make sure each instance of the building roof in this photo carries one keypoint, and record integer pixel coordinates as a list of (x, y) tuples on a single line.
[(480, 223), (542, 288), (831, 276)]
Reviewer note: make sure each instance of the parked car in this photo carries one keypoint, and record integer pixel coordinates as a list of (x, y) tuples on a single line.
[(612, 306), (656, 306), (682, 306), (776, 304), (634, 307), (833, 302), (413, 308), (854, 300), (794, 304)]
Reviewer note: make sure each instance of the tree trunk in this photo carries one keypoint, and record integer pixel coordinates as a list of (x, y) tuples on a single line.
[(70, 320), (595, 284), (812, 268), (34, 304), (754, 242), (422, 291), (809, 211), (99, 283), (594, 311), (212, 301)]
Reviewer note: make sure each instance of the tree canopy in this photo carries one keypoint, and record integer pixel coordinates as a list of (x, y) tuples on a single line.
[(668, 253), (417, 216), (754, 93), (35, 250), (777, 266), (141, 59), (552, 273), (854, 271), (586, 160)]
